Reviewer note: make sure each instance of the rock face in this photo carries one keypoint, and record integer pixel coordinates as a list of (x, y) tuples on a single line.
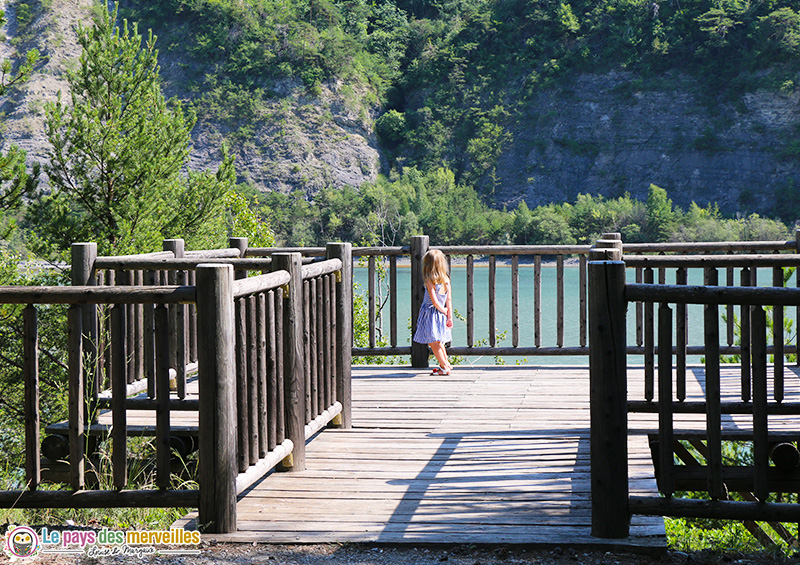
[(606, 136), (293, 142)]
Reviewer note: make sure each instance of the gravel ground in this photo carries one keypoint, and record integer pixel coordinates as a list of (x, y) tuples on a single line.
[(362, 554)]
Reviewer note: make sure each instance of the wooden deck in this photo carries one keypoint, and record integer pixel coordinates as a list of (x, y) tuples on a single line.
[(485, 455)]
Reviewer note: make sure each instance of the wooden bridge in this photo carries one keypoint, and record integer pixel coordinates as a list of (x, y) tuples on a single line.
[(260, 365)]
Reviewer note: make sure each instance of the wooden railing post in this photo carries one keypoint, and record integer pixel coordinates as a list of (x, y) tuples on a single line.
[(344, 328), (239, 243), (419, 246), (177, 320), (293, 359), (217, 389), (83, 258), (608, 391)]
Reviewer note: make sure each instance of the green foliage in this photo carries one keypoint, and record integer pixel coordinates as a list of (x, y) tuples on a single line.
[(242, 221), (661, 217), (15, 180), (117, 152)]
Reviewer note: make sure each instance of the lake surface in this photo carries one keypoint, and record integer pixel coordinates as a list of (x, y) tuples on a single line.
[(503, 309)]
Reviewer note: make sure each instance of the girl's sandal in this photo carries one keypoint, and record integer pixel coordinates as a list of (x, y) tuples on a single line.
[(437, 371)]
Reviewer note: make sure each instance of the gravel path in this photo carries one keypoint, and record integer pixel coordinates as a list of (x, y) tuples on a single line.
[(358, 554)]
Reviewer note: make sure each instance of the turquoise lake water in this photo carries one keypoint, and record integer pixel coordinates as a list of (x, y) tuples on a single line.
[(503, 306)]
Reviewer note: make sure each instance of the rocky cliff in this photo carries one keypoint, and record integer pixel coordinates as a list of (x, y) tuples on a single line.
[(610, 135)]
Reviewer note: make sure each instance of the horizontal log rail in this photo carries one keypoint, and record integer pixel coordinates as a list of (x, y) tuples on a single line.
[(96, 295), (694, 294), (705, 261), (180, 263), (702, 247), (260, 283), (321, 268)]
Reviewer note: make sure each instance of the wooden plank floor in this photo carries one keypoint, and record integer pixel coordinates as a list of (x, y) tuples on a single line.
[(485, 455)]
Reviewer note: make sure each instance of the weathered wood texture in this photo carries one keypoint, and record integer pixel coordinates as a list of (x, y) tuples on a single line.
[(485, 455)]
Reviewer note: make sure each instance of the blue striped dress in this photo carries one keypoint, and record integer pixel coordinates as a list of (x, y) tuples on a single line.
[(432, 324)]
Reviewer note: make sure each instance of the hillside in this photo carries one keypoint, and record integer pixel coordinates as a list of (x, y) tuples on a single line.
[(521, 99)]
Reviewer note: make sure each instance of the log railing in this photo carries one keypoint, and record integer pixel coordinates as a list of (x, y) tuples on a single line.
[(528, 321), (252, 339), (609, 297), (117, 300)]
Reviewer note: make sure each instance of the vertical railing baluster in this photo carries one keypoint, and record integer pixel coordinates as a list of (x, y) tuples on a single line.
[(138, 332), (393, 300), (582, 299), (649, 343), (181, 338), (149, 334), (730, 280), (681, 339), (559, 300), (242, 427), (470, 301), (192, 308), (294, 381), (777, 339), (713, 393), (760, 420), (665, 434), (319, 359), (33, 469), (119, 381), (77, 400), (311, 351), (537, 300), (328, 329), (492, 303), (639, 310), (371, 301), (745, 340), (281, 372), (515, 301), (261, 362), (163, 454)]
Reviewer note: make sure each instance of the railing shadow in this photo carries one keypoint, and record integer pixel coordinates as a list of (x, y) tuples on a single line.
[(495, 495)]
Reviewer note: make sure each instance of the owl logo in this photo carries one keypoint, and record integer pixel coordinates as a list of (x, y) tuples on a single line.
[(21, 541)]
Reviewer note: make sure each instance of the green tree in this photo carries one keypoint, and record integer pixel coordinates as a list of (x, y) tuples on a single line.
[(15, 181), (117, 152), (661, 218)]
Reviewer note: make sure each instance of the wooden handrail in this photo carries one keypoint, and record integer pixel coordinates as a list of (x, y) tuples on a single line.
[(179, 264), (321, 268), (781, 260), (97, 294), (260, 283), (694, 294)]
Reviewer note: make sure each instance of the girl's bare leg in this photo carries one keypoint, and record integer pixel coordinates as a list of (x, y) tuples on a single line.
[(441, 354)]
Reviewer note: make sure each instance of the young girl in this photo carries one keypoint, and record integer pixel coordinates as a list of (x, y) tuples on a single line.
[(436, 313)]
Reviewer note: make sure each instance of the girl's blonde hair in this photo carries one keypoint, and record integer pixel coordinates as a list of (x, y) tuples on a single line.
[(434, 267)]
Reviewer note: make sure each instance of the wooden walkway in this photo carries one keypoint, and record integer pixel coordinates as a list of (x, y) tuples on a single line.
[(483, 456)]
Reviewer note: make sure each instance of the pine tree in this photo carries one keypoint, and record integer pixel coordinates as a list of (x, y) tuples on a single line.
[(117, 153)]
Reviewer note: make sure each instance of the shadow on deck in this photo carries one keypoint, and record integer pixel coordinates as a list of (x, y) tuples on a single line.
[(483, 456)]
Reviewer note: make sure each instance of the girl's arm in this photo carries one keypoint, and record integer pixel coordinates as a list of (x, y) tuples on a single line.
[(449, 306), (431, 288)]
